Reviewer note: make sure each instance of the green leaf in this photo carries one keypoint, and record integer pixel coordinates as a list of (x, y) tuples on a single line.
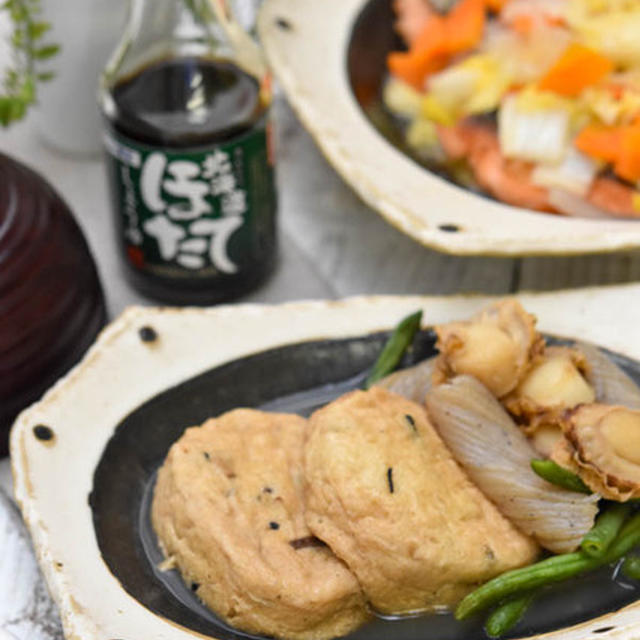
[(28, 91), (5, 111), (44, 53), (17, 109), (18, 13), (18, 85), (17, 39), (12, 81), (45, 76), (38, 29)]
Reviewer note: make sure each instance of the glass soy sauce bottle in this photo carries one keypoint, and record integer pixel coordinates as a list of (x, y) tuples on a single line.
[(189, 161)]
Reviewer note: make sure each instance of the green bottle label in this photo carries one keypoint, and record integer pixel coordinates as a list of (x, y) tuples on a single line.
[(194, 213)]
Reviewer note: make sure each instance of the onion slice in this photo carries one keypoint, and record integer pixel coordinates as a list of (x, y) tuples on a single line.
[(497, 456), (539, 135), (413, 382), (574, 206), (575, 173), (610, 383)]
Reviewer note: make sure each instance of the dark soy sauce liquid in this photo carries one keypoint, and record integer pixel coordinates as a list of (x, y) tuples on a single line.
[(192, 103), (187, 102)]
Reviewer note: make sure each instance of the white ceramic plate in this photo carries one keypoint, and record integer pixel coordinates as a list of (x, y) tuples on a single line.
[(55, 477), (306, 43)]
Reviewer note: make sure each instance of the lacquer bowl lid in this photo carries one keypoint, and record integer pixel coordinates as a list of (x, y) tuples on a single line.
[(51, 301)]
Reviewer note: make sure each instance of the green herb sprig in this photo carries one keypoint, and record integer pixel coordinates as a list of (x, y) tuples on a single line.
[(29, 52)]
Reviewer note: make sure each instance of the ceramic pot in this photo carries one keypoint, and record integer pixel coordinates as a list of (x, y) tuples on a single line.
[(51, 301)]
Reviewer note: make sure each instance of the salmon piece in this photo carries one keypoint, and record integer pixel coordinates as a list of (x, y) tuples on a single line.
[(614, 197), (412, 15), (506, 179), (455, 141)]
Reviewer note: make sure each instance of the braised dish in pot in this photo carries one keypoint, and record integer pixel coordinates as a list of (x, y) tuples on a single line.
[(533, 102)]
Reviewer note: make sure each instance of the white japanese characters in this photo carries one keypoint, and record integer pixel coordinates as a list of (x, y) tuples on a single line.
[(186, 224)]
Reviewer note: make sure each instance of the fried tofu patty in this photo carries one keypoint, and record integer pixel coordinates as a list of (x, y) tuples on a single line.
[(384, 492), (229, 514)]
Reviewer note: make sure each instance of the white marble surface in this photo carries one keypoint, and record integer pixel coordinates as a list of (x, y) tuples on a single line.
[(331, 246), (26, 610)]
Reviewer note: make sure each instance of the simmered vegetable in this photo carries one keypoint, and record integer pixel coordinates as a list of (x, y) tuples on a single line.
[(578, 68), (441, 38), (562, 78), (548, 571), (395, 347), (507, 615), (608, 523), (557, 475)]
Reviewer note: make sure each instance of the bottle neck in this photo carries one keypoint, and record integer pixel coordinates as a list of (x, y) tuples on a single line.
[(158, 29), (170, 21)]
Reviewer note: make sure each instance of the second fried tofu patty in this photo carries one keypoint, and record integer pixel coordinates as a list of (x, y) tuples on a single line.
[(384, 492)]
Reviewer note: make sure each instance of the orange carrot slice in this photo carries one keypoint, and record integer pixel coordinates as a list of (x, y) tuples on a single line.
[(628, 163), (424, 57), (601, 143), (432, 34), (465, 25), (441, 38), (415, 68), (619, 146), (578, 68)]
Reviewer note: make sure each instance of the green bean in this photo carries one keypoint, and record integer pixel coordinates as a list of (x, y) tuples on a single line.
[(507, 615), (548, 571), (608, 524), (394, 348), (555, 474), (553, 569), (628, 538), (631, 567)]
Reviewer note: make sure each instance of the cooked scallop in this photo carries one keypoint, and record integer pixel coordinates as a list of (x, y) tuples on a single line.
[(545, 438), (555, 382), (602, 445), (497, 455), (496, 347)]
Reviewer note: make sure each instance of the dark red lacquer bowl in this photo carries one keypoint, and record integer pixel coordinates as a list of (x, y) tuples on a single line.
[(51, 301)]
